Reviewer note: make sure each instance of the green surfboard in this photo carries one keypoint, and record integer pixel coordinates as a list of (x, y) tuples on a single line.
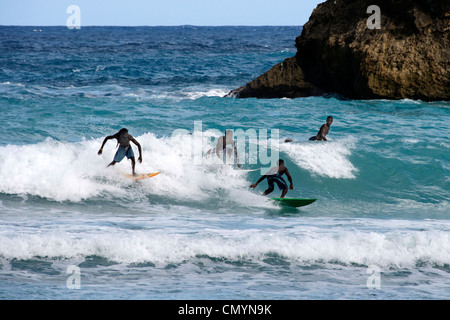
[(293, 202)]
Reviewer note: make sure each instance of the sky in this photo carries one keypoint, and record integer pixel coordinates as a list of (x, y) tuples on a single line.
[(158, 12)]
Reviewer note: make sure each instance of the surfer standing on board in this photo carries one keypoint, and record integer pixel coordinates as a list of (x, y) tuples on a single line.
[(324, 129), (274, 175), (123, 140)]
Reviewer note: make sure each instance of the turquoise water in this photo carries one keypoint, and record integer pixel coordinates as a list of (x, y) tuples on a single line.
[(197, 231)]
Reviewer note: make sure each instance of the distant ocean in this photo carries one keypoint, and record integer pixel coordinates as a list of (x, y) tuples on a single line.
[(70, 228)]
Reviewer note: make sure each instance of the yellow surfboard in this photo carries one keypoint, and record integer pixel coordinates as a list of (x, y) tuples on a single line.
[(142, 176)]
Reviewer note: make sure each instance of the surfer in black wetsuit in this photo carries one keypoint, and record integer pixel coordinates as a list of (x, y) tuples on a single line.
[(123, 140), (274, 175), (324, 129)]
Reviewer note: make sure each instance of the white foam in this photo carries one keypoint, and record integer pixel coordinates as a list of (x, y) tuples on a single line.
[(214, 92), (56, 170), (391, 249), (73, 171), (18, 84), (189, 175), (410, 140), (328, 159)]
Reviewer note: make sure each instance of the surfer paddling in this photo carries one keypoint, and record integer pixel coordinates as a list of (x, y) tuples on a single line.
[(324, 129), (123, 140), (274, 175)]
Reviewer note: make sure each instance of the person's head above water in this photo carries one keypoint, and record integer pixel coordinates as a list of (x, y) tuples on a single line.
[(329, 120), (123, 130)]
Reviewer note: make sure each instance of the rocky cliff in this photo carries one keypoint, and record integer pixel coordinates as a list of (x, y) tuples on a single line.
[(341, 51)]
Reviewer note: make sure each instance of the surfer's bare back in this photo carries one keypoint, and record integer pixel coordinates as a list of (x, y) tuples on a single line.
[(324, 129)]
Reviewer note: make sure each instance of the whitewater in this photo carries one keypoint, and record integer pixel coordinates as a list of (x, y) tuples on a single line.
[(197, 231)]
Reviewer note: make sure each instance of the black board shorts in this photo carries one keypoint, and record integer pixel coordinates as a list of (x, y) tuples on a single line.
[(278, 180)]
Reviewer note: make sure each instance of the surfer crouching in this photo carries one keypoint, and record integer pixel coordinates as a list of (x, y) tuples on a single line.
[(123, 140), (274, 175)]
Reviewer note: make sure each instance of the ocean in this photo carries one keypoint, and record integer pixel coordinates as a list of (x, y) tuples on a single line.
[(71, 228)]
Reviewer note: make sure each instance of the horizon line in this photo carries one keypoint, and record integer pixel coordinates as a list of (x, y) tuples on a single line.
[(135, 26)]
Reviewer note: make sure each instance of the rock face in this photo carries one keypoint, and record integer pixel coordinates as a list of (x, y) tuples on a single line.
[(283, 80), (409, 57)]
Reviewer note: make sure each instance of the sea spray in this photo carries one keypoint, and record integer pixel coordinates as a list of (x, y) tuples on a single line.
[(324, 158)]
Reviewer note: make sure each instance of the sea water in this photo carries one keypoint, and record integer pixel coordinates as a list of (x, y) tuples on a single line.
[(71, 228)]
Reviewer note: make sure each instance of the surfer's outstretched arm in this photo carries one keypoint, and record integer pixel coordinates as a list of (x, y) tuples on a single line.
[(260, 179), (139, 148), (290, 179), (104, 142)]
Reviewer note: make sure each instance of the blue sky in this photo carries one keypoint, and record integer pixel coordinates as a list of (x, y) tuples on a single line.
[(158, 12)]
